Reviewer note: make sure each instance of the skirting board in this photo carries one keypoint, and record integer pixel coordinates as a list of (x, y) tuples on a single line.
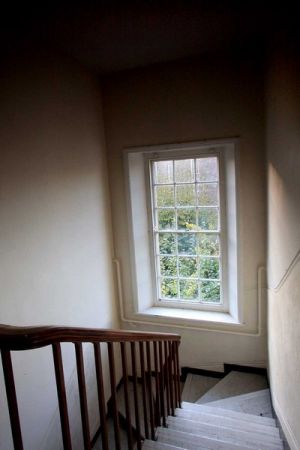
[(286, 430)]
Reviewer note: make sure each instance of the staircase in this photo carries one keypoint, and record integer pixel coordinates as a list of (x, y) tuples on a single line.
[(232, 413)]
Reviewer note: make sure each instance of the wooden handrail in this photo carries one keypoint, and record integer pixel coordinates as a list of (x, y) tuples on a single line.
[(156, 352), (27, 338)]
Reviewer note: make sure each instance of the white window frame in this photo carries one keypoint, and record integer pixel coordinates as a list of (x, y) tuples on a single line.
[(141, 232), (178, 154)]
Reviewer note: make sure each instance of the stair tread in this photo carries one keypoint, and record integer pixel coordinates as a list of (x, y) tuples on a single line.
[(218, 411), (149, 445), (192, 441), (255, 403), (197, 385), (235, 383), (237, 423), (219, 432)]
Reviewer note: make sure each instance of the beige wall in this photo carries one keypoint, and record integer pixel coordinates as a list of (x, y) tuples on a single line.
[(283, 145), (217, 97), (55, 231)]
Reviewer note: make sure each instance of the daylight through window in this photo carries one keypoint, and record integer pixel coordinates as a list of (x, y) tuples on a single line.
[(187, 229)]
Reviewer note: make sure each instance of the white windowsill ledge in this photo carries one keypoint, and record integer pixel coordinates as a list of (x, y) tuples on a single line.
[(190, 314)]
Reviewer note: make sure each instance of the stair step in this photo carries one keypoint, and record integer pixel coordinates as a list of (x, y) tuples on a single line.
[(255, 403), (191, 441), (220, 412), (197, 385), (155, 445), (235, 383), (218, 432), (227, 422)]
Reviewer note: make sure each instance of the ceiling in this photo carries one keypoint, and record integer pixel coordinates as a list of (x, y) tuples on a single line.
[(108, 36)]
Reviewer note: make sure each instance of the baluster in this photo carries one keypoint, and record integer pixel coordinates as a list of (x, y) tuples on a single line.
[(126, 395), (176, 343), (150, 390), (112, 374), (101, 397), (157, 404), (143, 376), (12, 399), (62, 398), (82, 396), (135, 396), (166, 368), (174, 378), (162, 384), (171, 378)]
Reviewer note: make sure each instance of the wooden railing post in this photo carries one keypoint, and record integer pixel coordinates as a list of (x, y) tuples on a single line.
[(101, 397), (12, 399), (126, 395), (114, 395), (62, 398), (143, 377), (135, 396), (82, 397)]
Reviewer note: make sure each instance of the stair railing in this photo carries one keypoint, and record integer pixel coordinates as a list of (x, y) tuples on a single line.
[(146, 356)]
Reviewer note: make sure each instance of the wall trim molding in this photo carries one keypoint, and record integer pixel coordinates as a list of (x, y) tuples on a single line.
[(287, 273), (285, 426)]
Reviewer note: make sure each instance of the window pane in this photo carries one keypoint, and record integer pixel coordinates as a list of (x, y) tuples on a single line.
[(185, 195), (164, 195), (167, 243), (168, 265), (166, 219), (209, 268), (210, 291), (184, 171), (207, 169), (208, 194), (163, 172), (208, 219), (189, 289), (168, 288), (187, 243), (186, 219), (209, 245), (187, 267)]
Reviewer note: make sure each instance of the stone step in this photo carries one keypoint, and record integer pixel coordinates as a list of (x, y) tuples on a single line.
[(220, 412), (156, 445), (192, 441), (235, 383), (255, 403), (197, 385), (228, 422), (218, 432)]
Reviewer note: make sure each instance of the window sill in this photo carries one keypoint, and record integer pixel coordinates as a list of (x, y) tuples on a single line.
[(189, 319), (190, 314)]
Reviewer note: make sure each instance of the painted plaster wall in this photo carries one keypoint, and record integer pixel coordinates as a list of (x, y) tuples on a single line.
[(283, 145), (55, 232), (213, 97)]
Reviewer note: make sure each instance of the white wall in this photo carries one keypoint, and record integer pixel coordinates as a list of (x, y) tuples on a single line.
[(55, 230), (208, 98), (283, 145)]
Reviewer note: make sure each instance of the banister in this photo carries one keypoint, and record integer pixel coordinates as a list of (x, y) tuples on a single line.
[(27, 338), (157, 354)]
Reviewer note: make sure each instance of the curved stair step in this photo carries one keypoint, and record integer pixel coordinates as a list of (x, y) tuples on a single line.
[(228, 422), (221, 412), (235, 383), (190, 441), (218, 432), (155, 445), (255, 403)]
